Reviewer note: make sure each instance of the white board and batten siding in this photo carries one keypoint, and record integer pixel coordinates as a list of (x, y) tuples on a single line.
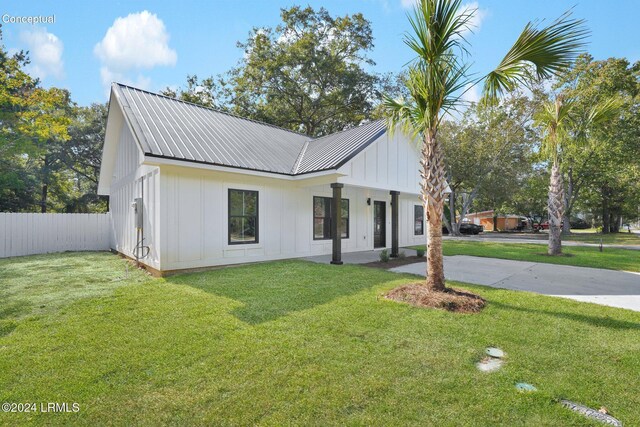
[(37, 233), (391, 163), (194, 206), (129, 177)]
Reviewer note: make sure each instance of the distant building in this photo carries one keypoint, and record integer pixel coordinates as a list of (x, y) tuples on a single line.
[(490, 222)]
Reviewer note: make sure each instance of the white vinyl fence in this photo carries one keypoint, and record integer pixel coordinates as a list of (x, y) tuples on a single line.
[(38, 233)]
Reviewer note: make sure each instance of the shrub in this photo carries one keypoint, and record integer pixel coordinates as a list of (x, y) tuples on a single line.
[(401, 254), (420, 253), (384, 255)]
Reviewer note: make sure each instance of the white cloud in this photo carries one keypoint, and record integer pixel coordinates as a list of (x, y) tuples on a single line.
[(133, 43), (471, 93), (478, 16), (45, 51), (474, 23)]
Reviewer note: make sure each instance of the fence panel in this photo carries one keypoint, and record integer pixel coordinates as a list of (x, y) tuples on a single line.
[(38, 233)]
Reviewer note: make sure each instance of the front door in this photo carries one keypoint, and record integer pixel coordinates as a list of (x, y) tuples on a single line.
[(379, 221)]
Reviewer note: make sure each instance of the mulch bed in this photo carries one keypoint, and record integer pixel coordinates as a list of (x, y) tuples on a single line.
[(451, 299), (395, 262)]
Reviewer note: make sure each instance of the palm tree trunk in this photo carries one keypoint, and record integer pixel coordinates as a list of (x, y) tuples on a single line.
[(556, 210), (568, 195), (435, 262), (433, 186)]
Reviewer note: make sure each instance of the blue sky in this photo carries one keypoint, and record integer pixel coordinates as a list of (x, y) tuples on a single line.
[(88, 45)]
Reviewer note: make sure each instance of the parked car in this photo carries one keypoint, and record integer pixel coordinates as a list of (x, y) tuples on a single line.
[(466, 228), (541, 226), (469, 228), (545, 226), (579, 224)]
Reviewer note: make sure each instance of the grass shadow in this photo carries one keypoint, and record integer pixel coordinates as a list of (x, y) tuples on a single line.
[(271, 290), (599, 321)]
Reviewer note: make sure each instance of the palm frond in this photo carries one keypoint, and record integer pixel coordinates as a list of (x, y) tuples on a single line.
[(555, 118), (438, 29), (402, 114), (544, 51)]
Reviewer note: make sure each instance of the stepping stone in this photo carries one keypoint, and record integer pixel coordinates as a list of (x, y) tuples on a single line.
[(489, 364), (525, 387), (591, 413), (495, 352)]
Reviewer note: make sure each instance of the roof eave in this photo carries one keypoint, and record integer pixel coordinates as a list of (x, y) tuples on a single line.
[(155, 160)]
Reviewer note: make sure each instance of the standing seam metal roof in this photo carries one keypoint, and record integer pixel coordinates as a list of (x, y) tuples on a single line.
[(170, 128)]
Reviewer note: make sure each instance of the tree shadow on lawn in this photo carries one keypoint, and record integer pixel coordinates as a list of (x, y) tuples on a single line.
[(268, 291), (606, 322)]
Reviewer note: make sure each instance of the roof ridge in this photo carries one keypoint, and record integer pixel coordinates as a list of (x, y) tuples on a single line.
[(294, 170), (211, 109)]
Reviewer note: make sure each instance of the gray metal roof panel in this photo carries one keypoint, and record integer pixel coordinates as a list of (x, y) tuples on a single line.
[(170, 128), (332, 151)]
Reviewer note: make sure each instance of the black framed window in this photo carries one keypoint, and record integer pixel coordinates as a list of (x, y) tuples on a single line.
[(418, 220), (322, 218), (243, 217)]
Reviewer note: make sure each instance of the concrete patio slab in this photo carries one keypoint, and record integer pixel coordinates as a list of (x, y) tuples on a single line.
[(362, 257), (605, 287)]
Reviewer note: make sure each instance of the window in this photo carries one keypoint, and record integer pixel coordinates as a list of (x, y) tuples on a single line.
[(243, 217), (418, 220), (322, 218)]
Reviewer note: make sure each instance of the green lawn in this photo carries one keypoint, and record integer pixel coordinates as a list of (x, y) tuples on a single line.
[(610, 258), (296, 343), (591, 236)]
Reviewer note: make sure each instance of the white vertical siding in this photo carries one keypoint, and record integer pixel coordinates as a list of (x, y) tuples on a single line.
[(193, 209), (406, 223), (390, 163), (38, 233), (126, 185), (194, 227)]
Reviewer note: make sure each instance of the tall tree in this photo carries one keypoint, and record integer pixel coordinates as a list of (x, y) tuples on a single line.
[(82, 155), (488, 151), (598, 172), (439, 74), (563, 127), (31, 120), (530, 196), (306, 74)]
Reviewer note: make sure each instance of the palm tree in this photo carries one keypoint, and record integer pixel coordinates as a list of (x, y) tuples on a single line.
[(562, 125), (438, 77)]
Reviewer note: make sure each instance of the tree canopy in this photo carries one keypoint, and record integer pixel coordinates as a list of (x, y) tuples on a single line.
[(309, 74)]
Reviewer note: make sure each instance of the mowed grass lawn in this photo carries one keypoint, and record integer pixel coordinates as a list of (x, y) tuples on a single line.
[(591, 236), (580, 256), (295, 343)]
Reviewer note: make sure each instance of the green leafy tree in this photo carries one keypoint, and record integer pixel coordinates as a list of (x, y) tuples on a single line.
[(530, 196), (306, 74), (436, 79), (81, 156), (32, 119), (599, 173), (488, 151)]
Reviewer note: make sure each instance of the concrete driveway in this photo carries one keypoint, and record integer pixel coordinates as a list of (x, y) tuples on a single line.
[(605, 287)]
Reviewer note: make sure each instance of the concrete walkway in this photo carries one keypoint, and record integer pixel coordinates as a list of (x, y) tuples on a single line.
[(605, 287)]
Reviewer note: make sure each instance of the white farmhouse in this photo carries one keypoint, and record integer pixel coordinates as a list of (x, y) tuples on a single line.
[(192, 187)]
